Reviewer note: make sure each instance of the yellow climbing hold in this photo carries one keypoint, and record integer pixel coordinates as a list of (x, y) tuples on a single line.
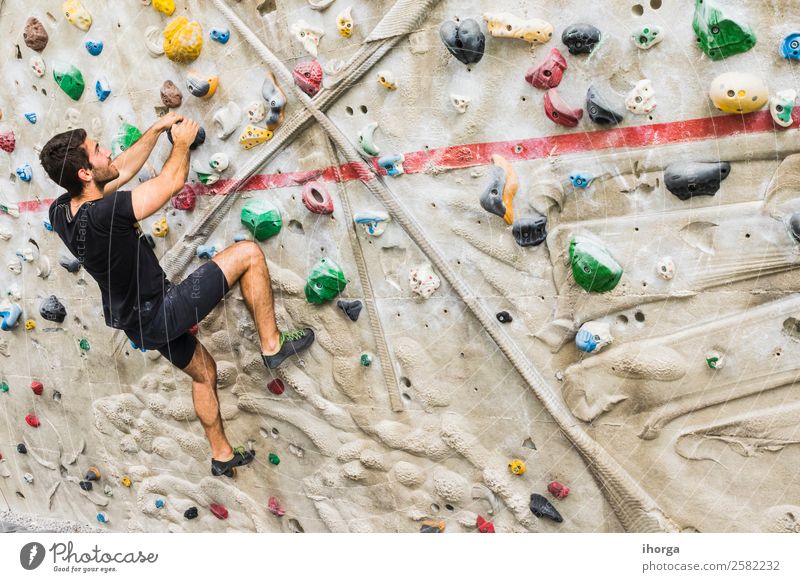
[(254, 135), (126, 481), (165, 6), (77, 14), (183, 40), (516, 466), (30, 324), (160, 228)]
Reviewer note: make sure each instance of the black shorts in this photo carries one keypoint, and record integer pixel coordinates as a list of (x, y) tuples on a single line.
[(166, 325)]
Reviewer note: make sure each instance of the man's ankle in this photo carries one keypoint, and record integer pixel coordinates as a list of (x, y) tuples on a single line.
[(272, 347)]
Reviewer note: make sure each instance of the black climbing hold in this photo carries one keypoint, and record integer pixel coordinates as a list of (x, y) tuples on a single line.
[(22, 449), (541, 507), (504, 317), (86, 485), (492, 196), (794, 226), (530, 231), (190, 513), (580, 38), (71, 264), (429, 529), (199, 139), (599, 109), (464, 40), (53, 310), (688, 179), (351, 308)]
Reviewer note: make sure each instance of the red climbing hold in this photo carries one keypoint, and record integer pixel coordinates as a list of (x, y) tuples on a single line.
[(37, 387), (276, 386), (186, 198), (484, 526), (308, 76), (32, 420), (7, 141), (194, 329), (275, 507), (219, 510), (558, 490), (317, 199)]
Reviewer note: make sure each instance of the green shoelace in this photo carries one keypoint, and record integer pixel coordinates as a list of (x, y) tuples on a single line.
[(292, 335)]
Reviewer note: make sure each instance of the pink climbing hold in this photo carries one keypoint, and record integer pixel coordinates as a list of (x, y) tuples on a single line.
[(186, 198), (276, 386), (317, 199), (558, 490), (275, 507), (484, 526), (37, 387), (308, 76), (219, 510), (8, 141), (32, 420)]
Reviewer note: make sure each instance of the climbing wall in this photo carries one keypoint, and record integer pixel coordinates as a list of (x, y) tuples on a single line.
[(578, 308)]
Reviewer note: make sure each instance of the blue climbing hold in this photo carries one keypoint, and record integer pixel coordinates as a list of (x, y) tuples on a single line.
[(159, 503), (102, 518), (47, 225), (102, 88), (790, 47), (392, 164), (206, 251), (32, 117), (221, 35), (135, 347), (95, 47), (581, 179), (10, 317), (25, 173), (584, 340), (239, 237)]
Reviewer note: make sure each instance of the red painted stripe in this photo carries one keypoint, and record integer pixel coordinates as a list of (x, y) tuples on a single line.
[(477, 154)]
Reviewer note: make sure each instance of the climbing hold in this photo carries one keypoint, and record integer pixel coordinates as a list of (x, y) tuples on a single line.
[(47, 225), (71, 264), (205, 173), (194, 329), (580, 38), (190, 513), (720, 37), (344, 22), (530, 231), (366, 360), (125, 137), (84, 344), (504, 317), (506, 25), (317, 199), (274, 459), (252, 136), (688, 179), (308, 76), (160, 228), (159, 504), (261, 218), (30, 325), (153, 42), (460, 102), (325, 281), (69, 78), (77, 15), (37, 387), (484, 526), (781, 105), (94, 47), (600, 111), (25, 173), (171, 96), (423, 281), (715, 360), (135, 347), (642, 99), (219, 162), (593, 336), (126, 481), (307, 35), (581, 179), (559, 112), (107, 490), (199, 139), (366, 139), (34, 35), (28, 477), (541, 507), (593, 266), (37, 66), (432, 526), (464, 40), (558, 490), (32, 420), (256, 111), (549, 73), (275, 507), (32, 117), (666, 268), (373, 221), (92, 474), (203, 86), (790, 47), (219, 510), (183, 40), (276, 386), (165, 6), (516, 466), (53, 310), (10, 316), (392, 164), (22, 449), (386, 78), (221, 35), (498, 196), (8, 141), (647, 37), (102, 88), (102, 518), (206, 251), (276, 99), (4, 387), (351, 309), (738, 92)]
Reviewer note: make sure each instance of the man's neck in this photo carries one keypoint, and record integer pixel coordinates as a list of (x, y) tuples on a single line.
[(88, 194)]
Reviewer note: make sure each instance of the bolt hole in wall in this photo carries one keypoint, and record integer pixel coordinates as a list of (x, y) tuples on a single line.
[(637, 9), (434, 507), (639, 316), (622, 320), (448, 507), (405, 381)]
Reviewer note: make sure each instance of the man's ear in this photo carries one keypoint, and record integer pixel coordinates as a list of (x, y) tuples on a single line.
[(85, 175)]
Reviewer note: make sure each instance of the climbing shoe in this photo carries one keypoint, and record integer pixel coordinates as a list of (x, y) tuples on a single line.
[(292, 342), (228, 468)]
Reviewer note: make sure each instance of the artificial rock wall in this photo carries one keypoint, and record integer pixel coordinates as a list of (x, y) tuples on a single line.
[(685, 422)]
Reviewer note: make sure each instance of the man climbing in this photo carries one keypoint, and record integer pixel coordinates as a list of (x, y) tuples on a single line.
[(99, 225)]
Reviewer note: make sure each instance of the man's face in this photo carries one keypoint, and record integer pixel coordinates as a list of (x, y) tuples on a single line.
[(103, 169)]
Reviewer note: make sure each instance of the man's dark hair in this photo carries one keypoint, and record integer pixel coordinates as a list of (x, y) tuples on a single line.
[(63, 157)]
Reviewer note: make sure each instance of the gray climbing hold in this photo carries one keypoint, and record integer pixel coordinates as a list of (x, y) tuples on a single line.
[(351, 308), (541, 507), (599, 110), (492, 196), (71, 264), (688, 179), (530, 231), (464, 40), (53, 310), (86, 485), (794, 226)]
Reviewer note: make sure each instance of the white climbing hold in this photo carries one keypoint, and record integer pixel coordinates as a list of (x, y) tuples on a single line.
[(423, 280), (666, 268), (37, 65), (227, 120), (460, 102), (307, 35), (642, 98), (256, 111), (153, 41)]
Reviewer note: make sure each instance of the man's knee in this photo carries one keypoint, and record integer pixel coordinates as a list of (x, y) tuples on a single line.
[(249, 250)]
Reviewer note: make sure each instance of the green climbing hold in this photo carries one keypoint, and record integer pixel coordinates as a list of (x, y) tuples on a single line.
[(3, 387), (365, 360), (325, 281), (70, 79), (274, 459), (593, 266), (262, 218), (84, 344), (720, 37), (126, 136)]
